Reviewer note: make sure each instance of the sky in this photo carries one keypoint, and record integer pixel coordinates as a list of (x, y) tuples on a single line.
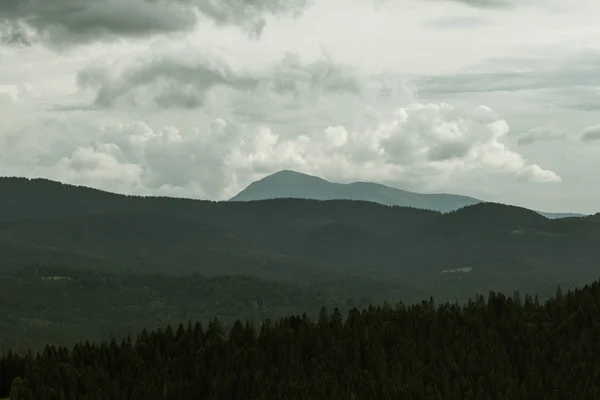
[(496, 99)]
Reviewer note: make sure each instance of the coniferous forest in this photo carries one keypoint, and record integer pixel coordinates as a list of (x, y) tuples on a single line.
[(94, 287), (497, 347)]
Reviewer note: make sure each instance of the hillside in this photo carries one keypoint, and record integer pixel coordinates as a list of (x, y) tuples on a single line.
[(47, 223), (501, 346), (354, 251), (61, 306), (291, 184)]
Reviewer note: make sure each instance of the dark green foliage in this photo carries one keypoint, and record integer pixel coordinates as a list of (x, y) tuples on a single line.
[(36, 310), (338, 253), (51, 224), (496, 348)]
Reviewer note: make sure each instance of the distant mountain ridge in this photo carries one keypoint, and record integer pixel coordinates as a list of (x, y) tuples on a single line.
[(292, 184)]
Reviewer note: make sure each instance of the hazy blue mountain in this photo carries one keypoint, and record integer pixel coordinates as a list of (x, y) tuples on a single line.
[(291, 184), (561, 215)]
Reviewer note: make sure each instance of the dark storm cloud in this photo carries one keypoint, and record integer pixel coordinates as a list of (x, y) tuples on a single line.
[(65, 22)]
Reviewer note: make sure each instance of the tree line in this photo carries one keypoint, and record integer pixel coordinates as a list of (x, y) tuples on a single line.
[(499, 347)]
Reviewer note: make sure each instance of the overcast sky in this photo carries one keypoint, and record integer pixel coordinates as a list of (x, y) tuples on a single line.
[(497, 99)]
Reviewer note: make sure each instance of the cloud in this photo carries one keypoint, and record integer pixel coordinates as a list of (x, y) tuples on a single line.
[(166, 81), (509, 81), (573, 98), (591, 133), (519, 74), (67, 22), (541, 133), (97, 164), (8, 94), (180, 80), (430, 145), (497, 4), (324, 75), (502, 4), (535, 173), (565, 82), (16, 33), (457, 22), (248, 14)]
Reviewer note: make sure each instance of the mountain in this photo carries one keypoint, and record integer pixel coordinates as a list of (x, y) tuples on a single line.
[(291, 184)]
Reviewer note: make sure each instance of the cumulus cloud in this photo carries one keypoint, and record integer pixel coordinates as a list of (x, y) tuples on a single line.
[(430, 144), (591, 133), (66, 22), (100, 163), (541, 133), (535, 173)]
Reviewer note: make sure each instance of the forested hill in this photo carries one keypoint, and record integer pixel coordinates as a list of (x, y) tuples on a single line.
[(496, 348), (491, 246)]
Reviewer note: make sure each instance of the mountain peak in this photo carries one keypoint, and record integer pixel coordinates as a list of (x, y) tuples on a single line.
[(290, 174), (293, 184)]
